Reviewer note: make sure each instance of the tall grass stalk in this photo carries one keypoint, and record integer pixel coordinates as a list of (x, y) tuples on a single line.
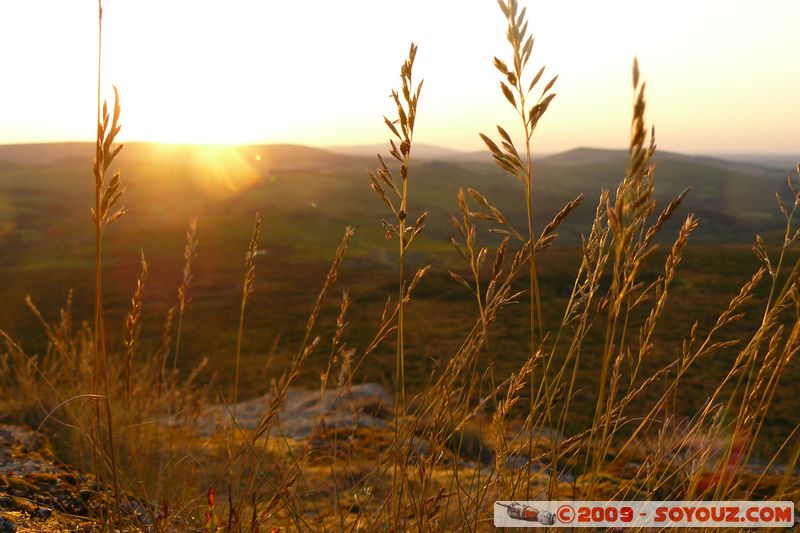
[(516, 88), (107, 194), (384, 184), (247, 292), (184, 297)]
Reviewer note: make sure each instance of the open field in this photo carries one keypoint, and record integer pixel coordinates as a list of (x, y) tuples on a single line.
[(307, 197)]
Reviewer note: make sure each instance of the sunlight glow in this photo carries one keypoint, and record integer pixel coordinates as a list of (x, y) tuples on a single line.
[(220, 171)]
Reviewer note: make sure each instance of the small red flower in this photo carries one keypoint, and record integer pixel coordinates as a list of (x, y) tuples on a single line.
[(211, 497)]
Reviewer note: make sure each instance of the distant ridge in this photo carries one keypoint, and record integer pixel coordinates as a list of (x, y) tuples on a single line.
[(328, 189), (581, 155), (421, 151), (584, 155), (299, 156), (782, 161), (44, 153), (599, 156), (271, 155)]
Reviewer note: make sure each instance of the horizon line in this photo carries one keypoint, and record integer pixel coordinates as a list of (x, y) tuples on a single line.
[(333, 147)]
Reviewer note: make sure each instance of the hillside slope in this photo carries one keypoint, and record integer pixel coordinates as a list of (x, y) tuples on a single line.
[(306, 197)]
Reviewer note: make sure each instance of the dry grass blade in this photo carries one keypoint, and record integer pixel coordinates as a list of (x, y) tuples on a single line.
[(131, 327), (330, 279), (561, 216), (189, 257), (405, 100), (247, 293)]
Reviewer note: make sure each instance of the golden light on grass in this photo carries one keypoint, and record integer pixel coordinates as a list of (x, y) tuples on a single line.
[(219, 171), (223, 170)]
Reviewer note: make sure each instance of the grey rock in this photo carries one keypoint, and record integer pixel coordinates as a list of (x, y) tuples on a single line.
[(304, 411), (7, 526), (37, 488)]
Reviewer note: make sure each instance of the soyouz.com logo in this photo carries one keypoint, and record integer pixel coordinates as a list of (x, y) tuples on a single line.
[(734, 514)]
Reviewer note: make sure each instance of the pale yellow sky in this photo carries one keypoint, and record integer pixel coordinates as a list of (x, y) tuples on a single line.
[(723, 76)]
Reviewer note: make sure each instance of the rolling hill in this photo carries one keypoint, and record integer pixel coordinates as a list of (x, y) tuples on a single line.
[(306, 197), (733, 199)]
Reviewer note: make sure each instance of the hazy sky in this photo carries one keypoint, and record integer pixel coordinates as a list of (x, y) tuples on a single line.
[(723, 76)]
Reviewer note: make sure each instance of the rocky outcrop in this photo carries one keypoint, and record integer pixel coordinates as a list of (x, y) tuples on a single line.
[(367, 406), (36, 492), (39, 493)]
